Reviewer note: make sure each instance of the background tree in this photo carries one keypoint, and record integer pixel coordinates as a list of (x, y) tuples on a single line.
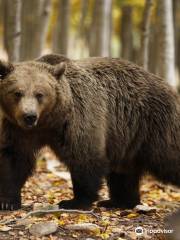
[(82, 19), (82, 31), (166, 41), (61, 33), (153, 49), (126, 33), (130, 29), (12, 28), (144, 58), (35, 15), (100, 42), (176, 11)]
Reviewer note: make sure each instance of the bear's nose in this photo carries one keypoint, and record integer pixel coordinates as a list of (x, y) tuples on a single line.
[(30, 119)]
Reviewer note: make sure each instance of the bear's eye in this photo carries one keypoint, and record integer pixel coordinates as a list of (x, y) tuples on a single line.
[(39, 96), (18, 94)]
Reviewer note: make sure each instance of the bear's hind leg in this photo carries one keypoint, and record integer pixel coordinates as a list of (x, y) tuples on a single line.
[(123, 191)]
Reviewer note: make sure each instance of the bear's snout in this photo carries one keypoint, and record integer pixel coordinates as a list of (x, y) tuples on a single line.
[(30, 119)]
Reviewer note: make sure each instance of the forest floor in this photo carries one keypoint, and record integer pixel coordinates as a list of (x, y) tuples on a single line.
[(45, 189)]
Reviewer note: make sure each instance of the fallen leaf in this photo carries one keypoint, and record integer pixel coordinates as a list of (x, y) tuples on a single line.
[(132, 215), (4, 228)]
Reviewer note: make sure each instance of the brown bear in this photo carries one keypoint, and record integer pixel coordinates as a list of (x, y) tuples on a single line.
[(104, 118)]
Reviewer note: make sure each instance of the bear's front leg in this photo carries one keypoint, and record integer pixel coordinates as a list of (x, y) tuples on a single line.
[(14, 170), (10, 197), (86, 184)]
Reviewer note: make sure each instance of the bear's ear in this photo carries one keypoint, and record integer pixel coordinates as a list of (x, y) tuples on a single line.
[(5, 69), (57, 62), (52, 59), (59, 70)]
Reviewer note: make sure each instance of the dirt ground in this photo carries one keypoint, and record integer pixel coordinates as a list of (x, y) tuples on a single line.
[(45, 188)]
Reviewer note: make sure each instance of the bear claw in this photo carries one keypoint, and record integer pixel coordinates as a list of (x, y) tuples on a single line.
[(4, 206), (10, 204)]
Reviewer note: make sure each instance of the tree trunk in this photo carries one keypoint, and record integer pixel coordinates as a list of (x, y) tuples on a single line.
[(61, 34), (153, 49), (12, 28), (43, 23), (166, 42), (146, 34), (126, 32), (35, 16), (176, 8), (101, 28), (84, 9), (82, 33)]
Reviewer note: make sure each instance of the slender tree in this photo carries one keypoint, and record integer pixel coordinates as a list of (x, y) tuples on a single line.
[(82, 19), (43, 23), (100, 42), (12, 28), (82, 37), (61, 33), (176, 8), (153, 49), (126, 33), (146, 34), (166, 41), (35, 16)]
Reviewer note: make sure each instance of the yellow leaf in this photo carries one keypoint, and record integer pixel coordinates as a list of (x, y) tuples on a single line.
[(82, 218), (61, 222), (104, 235), (132, 215), (105, 222)]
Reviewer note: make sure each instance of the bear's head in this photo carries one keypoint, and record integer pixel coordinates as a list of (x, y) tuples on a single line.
[(28, 91)]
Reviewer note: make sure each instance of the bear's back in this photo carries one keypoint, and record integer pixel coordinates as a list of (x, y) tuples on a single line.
[(138, 104)]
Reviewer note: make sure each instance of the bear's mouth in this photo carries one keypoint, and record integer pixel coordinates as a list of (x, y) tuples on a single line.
[(27, 125), (30, 126)]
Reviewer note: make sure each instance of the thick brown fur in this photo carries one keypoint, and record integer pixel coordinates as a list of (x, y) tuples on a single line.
[(103, 117)]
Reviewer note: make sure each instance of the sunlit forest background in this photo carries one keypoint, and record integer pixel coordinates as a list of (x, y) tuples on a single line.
[(146, 32)]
